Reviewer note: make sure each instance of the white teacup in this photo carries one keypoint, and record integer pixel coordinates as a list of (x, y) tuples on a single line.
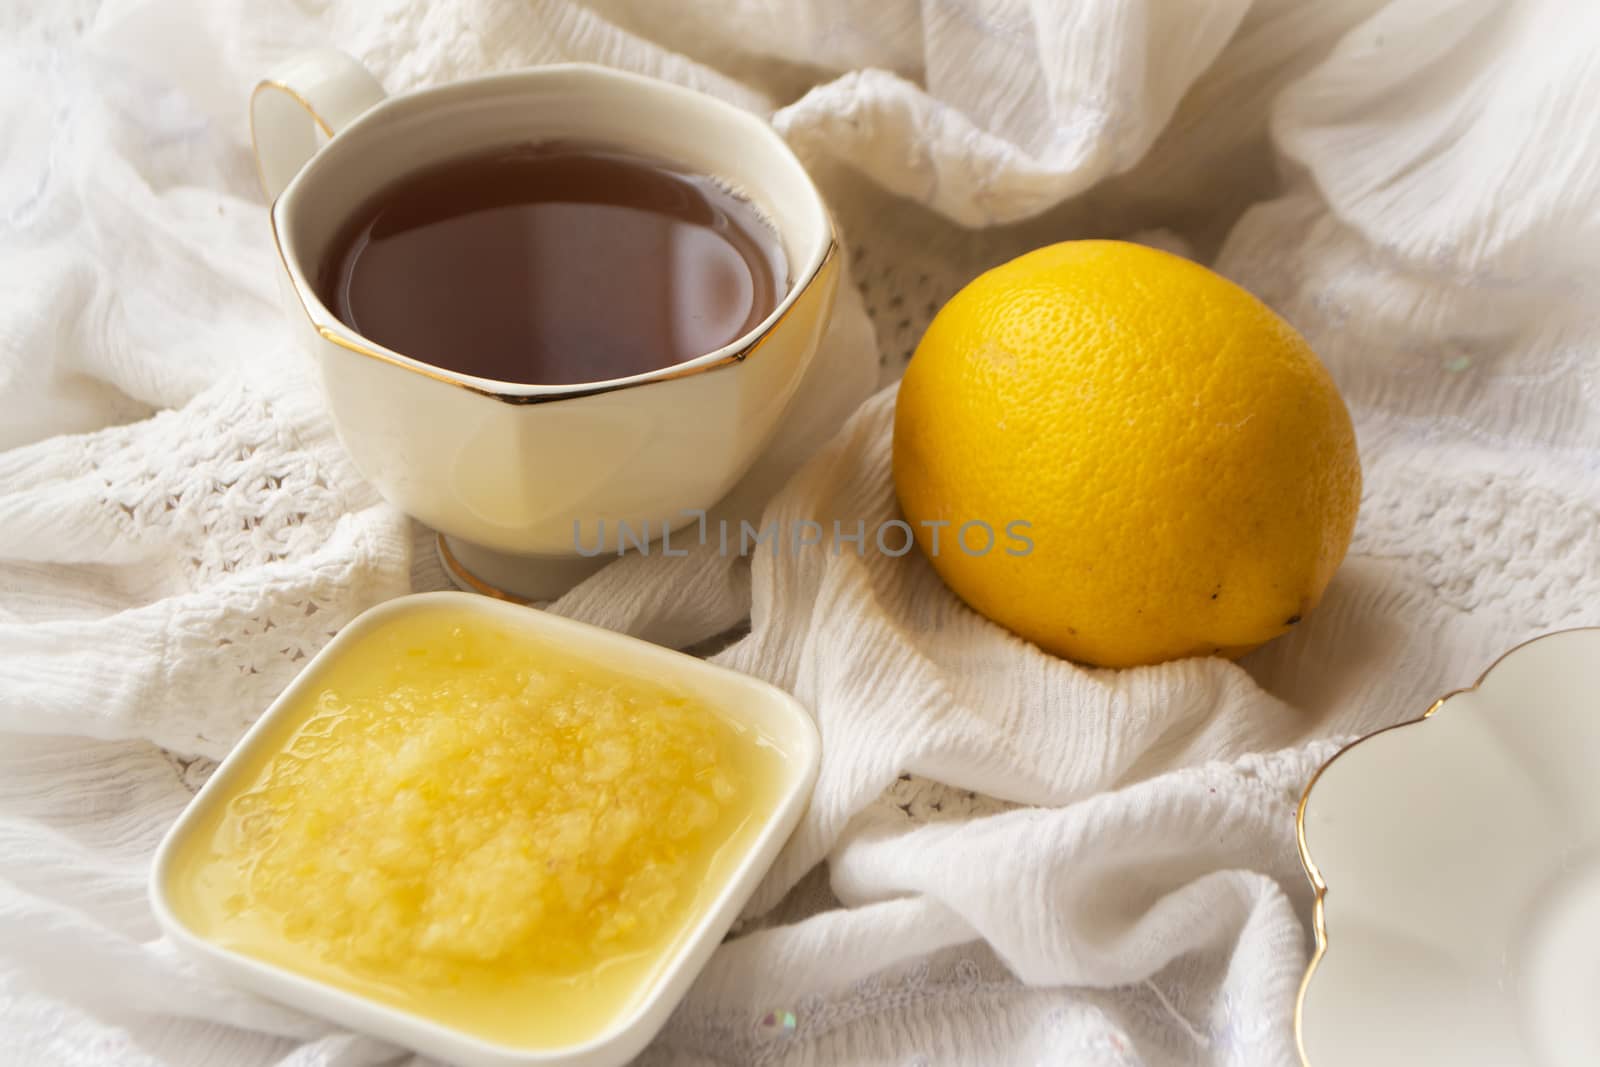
[(521, 477)]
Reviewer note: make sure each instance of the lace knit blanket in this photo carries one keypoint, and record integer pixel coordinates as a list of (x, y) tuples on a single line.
[(1009, 859)]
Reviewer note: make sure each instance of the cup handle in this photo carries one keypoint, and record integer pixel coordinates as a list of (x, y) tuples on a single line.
[(299, 106)]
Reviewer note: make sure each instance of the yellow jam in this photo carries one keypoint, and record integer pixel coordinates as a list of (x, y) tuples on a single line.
[(466, 824)]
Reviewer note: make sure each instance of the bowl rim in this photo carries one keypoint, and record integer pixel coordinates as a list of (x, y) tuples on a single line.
[(1308, 863), (800, 751)]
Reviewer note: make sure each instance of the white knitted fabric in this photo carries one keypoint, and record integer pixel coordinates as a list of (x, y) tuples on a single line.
[(1008, 859)]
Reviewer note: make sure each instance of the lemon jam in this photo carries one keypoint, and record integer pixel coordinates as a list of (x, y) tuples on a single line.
[(462, 822)]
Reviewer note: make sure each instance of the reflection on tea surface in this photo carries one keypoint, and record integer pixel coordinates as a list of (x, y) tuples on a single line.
[(553, 264)]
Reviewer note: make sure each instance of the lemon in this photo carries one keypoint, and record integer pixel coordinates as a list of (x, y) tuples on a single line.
[(1124, 457)]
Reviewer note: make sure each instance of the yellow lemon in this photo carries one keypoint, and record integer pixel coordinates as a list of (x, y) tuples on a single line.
[(1124, 457)]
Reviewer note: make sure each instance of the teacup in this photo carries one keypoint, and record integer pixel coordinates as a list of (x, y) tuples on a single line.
[(520, 478)]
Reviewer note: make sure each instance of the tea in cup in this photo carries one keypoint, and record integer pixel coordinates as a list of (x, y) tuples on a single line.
[(543, 303)]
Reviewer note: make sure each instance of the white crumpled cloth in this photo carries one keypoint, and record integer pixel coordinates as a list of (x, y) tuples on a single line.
[(1009, 859)]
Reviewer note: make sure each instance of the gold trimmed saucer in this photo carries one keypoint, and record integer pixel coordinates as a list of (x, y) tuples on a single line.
[(1457, 857)]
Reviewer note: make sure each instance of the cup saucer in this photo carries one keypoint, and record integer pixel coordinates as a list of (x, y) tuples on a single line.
[(1456, 861)]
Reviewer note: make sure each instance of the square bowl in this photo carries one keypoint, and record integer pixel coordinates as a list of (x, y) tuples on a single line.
[(746, 702)]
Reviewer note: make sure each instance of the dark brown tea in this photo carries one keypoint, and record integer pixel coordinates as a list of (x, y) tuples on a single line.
[(554, 263)]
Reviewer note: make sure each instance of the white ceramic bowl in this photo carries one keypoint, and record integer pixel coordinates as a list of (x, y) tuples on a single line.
[(741, 698), (1456, 860)]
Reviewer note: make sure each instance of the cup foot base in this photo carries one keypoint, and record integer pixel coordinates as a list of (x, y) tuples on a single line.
[(520, 579)]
